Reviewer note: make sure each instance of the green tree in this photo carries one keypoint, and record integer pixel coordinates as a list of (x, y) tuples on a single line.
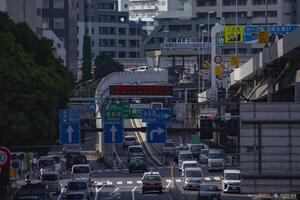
[(34, 85), (87, 58), (105, 65)]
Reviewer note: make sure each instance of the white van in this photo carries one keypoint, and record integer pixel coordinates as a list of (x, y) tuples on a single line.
[(44, 164), (51, 179), (216, 159), (183, 156), (231, 180), (188, 164), (193, 178), (81, 171)]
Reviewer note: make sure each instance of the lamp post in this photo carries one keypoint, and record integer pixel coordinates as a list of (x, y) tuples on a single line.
[(200, 55), (203, 32)]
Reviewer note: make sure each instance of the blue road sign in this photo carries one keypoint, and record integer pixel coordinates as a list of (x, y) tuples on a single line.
[(156, 133), (162, 115), (113, 133), (70, 133), (69, 116)]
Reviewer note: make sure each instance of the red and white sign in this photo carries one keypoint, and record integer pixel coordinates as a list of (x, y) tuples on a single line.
[(218, 59), (4, 157)]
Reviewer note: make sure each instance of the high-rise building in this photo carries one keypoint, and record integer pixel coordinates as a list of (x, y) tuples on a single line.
[(29, 12), (60, 25), (110, 30)]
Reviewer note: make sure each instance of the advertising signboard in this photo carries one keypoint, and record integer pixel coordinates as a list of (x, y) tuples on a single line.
[(275, 32), (233, 32)]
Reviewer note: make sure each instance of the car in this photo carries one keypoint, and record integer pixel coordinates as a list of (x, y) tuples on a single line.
[(57, 163), (32, 191), (196, 150), (129, 140), (231, 180), (169, 149), (79, 159), (209, 192), (79, 185), (81, 171), (45, 163), (152, 181), (70, 158), (51, 179), (204, 155), (183, 156), (76, 196), (188, 163), (142, 69), (135, 150), (193, 178), (180, 148), (216, 159), (137, 164)]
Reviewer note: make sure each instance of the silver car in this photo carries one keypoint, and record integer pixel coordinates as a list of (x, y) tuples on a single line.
[(51, 179), (79, 185)]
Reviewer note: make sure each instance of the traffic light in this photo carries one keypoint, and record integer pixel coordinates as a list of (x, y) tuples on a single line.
[(206, 121)]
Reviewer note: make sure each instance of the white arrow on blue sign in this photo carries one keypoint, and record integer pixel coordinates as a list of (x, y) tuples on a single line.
[(162, 115), (113, 133), (156, 133), (70, 133)]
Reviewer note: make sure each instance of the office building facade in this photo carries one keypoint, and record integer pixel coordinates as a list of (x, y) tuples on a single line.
[(110, 30)]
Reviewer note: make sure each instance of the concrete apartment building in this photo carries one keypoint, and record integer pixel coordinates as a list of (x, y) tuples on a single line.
[(110, 30)]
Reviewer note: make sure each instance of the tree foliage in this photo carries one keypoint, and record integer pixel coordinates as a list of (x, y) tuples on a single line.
[(105, 65), (87, 58), (34, 85)]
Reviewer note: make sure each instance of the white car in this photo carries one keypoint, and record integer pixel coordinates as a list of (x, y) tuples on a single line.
[(193, 178), (216, 159), (169, 149), (183, 156), (81, 171), (231, 180), (51, 179), (188, 164)]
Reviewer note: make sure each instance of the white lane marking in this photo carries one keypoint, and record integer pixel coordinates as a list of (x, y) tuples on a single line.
[(109, 183), (168, 180), (119, 182), (129, 182), (217, 178), (108, 170), (178, 180), (118, 157), (207, 178), (132, 193), (61, 191), (98, 190), (138, 182)]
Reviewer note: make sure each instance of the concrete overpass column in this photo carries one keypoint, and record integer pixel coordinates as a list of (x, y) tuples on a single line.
[(297, 86)]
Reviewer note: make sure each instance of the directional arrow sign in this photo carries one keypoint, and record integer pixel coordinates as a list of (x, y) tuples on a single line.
[(113, 132), (156, 133), (70, 133), (162, 115)]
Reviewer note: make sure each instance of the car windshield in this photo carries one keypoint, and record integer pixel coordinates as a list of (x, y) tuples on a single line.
[(193, 173), (56, 159), (186, 156), (135, 150), (75, 196), (190, 165), (46, 163), (196, 147), (204, 151), (216, 155), (169, 145), (81, 169), (79, 160), (232, 176), (130, 139), (77, 185), (152, 178), (49, 177), (209, 188)]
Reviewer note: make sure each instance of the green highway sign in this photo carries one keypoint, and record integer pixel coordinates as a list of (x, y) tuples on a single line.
[(123, 107), (118, 112), (113, 116), (196, 138)]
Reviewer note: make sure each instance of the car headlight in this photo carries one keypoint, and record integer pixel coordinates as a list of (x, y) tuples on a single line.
[(187, 180)]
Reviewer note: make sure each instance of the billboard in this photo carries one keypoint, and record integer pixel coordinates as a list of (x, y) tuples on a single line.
[(276, 32), (231, 32)]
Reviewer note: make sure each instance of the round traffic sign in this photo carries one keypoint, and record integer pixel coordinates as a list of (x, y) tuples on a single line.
[(218, 59), (4, 157)]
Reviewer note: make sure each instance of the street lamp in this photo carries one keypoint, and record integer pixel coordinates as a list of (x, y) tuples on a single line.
[(203, 32), (208, 23)]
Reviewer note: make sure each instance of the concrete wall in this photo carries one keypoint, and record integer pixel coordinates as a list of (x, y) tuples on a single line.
[(270, 147)]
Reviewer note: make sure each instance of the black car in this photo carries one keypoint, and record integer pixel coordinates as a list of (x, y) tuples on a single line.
[(70, 158), (209, 192), (32, 191)]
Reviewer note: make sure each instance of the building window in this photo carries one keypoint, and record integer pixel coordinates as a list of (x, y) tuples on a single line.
[(103, 43), (58, 3), (233, 2), (46, 23), (132, 31), (58, 23), (105, 30), (122, 31), (134, 43), (132, 54), (122, 54), (112, 31), (112, 43), (263, 2), (122, 43), (204, 3), (45, 3)]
